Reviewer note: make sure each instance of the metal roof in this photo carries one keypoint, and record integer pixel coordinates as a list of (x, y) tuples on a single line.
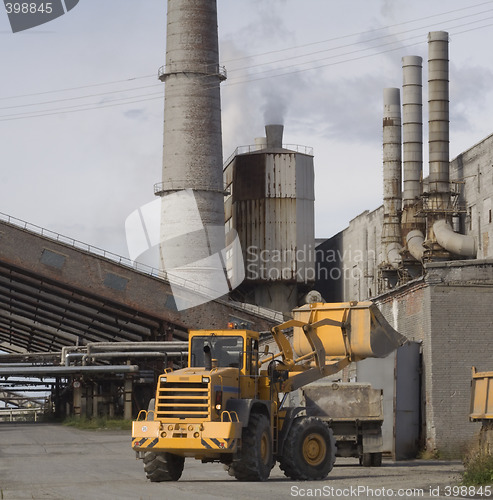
[(57, 293)]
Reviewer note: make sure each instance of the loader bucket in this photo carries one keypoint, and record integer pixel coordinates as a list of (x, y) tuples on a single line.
[(357, 329)]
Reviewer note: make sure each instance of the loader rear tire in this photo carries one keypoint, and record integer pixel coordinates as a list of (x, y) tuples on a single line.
[(163, 467), (309, 450), (254, 460)]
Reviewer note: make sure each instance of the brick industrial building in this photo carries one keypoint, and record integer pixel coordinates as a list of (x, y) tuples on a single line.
[(441, 300)]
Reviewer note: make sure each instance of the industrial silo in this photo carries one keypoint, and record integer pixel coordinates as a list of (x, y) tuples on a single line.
[(271, 208)]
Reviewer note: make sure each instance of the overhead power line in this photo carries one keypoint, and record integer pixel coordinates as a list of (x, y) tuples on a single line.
[(275, 72), (358, 34)]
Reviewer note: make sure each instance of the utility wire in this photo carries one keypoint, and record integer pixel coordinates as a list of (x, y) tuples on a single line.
[(49, 113), (80, 97), (259, 55), (239, 80), (77, 88), (358, 33), (360, 42)]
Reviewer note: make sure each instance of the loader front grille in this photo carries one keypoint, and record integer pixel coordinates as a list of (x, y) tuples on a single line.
[(183, 400)]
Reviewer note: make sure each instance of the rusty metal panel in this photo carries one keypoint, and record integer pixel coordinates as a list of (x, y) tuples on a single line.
[(249, 177), (280, 175), (305, 177), (273, 213), (344, 401)]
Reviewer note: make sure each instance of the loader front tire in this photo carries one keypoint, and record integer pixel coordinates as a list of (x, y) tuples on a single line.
[(309, 450), (163, 467), (254, 460)]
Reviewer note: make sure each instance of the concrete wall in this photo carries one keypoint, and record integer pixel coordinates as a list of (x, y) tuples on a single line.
[(461, 317), (347, 263), (450, 312), (473, 170)]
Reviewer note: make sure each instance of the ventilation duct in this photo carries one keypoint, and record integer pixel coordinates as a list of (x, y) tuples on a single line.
[(414, 241), (458, 244)]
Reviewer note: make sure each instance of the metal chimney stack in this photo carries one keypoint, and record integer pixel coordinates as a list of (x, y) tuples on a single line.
[(273, 134), (192, 218), (412, 227), (392, 198), (438, 105), (412, 129)]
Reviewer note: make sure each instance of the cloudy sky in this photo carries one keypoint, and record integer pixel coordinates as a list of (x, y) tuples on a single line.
[(81, 108)]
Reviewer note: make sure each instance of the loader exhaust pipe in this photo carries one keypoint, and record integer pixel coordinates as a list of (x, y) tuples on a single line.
[(207, 357)]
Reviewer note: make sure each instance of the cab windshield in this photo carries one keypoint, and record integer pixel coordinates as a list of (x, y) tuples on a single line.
[(227, 350)]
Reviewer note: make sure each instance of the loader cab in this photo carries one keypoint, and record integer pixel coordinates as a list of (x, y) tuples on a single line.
[(224, 348)]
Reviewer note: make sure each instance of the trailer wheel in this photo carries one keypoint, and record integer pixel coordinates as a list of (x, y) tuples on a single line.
[(309, 450), (254, 460), (371, 459), (163, 467), (376, 459)]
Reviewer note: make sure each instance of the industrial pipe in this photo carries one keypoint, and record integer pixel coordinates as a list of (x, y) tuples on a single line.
[(140, 354), (458, 244), (393, 254), (119, 346), (415, 240), (66, 370)]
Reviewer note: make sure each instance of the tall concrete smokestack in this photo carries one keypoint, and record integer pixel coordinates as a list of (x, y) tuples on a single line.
[(192, 220), (392, 201), (412, 154)]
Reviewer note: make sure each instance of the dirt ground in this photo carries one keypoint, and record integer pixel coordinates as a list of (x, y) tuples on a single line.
[(47, 461)]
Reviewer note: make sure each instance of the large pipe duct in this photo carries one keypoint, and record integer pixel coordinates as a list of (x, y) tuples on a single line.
[(458, 244), (438, 105), (414, 241), (192, 218), (392, 201)]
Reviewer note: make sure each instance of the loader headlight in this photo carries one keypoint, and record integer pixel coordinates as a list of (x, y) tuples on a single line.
[(206, 380), (219, 401)]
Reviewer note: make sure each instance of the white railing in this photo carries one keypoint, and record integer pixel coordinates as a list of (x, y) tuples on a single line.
[(13, 414), (253, 148)]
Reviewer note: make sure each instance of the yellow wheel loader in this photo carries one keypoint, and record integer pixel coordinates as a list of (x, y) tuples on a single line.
[(228, 405)]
